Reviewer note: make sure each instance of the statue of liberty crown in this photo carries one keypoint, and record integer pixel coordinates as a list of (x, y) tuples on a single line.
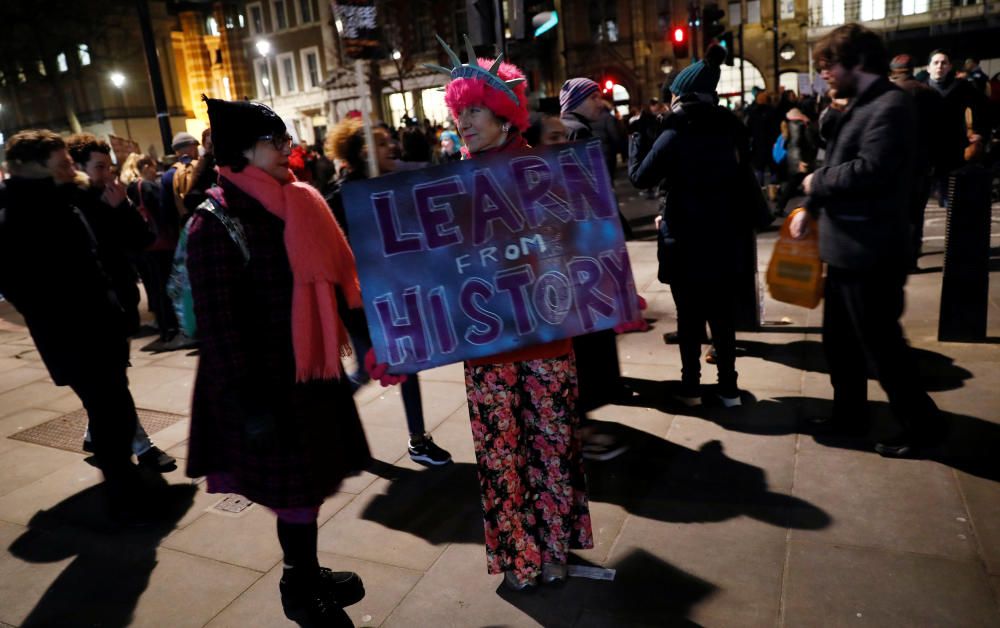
[(472, 70)]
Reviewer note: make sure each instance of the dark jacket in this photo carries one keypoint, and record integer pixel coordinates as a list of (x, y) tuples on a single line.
[(802, 144), (959, 96), (765, 125), (701, 162), (931, 138), (577, 127), (50, 270), (861, 193), (122, 234), (279, 443)]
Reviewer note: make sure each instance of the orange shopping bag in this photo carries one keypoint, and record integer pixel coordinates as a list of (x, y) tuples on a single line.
[(795, 273)]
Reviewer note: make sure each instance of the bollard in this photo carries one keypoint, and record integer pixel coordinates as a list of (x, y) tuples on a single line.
[(965, 281)]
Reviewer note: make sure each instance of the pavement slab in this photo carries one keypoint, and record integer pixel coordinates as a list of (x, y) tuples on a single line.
[(835, 585)]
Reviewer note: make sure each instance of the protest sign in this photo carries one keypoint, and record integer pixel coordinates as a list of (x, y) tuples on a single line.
[(489, 255)]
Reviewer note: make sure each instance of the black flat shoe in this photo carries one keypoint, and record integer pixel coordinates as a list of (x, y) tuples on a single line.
[(155, 459), (319, 600)]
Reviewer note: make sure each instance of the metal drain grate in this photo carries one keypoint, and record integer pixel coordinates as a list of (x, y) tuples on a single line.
[(66, 431)]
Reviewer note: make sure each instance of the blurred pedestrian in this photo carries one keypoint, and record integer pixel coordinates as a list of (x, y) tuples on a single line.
[(53, 272), (546, 130), (702, 160), (860, 197), (764, 123), (179, 177), (975, 75), (451, 147), (522, 403), (346, 142), (273, 417)]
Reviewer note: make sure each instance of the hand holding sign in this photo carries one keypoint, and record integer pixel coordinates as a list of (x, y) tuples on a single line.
[(481, 257)]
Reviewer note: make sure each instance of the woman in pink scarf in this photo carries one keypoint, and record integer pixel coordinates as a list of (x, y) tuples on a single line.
[(273, 417)]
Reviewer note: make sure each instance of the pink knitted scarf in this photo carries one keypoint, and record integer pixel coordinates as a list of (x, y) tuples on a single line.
[(320, 259)]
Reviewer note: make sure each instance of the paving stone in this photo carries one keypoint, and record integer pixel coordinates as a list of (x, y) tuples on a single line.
[(28, 463), (21, 504), (24, 582), (833, 585), (902, 505), (32, 395), (440, 400), (457, 592), (982, 497), (454, 434), (606, 522), (385, 586), (25, 419), (161, 388)]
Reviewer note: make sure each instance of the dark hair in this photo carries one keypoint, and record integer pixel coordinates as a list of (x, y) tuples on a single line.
[(33, 145), (82, 145), (143, 162), (939, 51), (414, 145), (852, 45)]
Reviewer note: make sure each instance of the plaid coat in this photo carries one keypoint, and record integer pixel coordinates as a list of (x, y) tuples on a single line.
[(281, 444)]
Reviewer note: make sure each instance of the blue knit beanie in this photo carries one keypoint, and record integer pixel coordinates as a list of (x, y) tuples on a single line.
[(701, 77), (574, 92)]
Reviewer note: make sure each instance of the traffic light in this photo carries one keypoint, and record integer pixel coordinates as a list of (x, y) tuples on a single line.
[(726, 41), (711, 22), (608, 86), (679, 40)]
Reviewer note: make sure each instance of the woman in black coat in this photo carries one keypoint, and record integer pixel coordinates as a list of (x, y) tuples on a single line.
[(701, 160)]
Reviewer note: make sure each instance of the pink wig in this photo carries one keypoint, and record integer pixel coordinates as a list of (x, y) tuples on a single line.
[(464, 92)]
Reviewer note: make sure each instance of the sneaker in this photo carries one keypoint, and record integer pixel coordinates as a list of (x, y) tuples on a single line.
[(729, 396), (320, 600), (427, 453), (602, 446), (899, 446), (179, 342), (157, 460), (688, 395)]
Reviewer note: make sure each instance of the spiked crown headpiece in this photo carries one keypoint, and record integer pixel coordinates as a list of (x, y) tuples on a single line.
[(498, 85)]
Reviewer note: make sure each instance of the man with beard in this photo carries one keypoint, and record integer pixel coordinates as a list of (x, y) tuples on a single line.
[(860, 198)]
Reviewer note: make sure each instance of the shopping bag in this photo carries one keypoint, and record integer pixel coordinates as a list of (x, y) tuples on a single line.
[(795, 272)]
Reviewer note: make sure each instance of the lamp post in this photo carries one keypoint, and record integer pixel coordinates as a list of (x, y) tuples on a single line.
[(118, 80), (264, 48), (396, 56)]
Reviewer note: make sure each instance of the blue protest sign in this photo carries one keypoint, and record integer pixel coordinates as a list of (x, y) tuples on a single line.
[(489, 255)]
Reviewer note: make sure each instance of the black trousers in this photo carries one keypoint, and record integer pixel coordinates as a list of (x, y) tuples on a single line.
[(111, 411), (699, 302), (860, 324), (918, 205), (597, 369), (159, 264)]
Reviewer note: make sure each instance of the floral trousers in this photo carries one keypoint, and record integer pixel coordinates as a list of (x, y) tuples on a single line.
[(529, 457)]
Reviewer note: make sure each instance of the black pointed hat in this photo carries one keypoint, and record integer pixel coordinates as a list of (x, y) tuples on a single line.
[(237, 125)]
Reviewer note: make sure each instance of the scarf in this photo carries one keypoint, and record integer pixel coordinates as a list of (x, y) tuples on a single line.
[(321, 260)]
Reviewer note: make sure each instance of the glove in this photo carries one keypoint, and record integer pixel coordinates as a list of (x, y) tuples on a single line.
[(638, 324), (379, 371)]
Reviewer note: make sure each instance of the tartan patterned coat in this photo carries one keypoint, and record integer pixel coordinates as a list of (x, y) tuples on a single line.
[(279, 443)]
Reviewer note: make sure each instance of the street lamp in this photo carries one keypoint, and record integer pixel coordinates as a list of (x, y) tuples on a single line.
[(118, 80), (264, 48)]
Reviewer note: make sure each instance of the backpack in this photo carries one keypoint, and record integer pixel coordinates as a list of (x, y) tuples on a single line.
[(179, 282), (182, 182)]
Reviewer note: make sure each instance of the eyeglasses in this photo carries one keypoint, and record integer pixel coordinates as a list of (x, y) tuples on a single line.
[(280, 142)]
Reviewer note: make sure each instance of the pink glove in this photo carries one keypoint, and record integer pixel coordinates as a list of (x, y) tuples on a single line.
[(380, 372), (638, 324)]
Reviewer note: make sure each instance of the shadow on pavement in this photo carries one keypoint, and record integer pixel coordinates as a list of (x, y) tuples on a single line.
[(646, 591), (110, 566), (937, 371)]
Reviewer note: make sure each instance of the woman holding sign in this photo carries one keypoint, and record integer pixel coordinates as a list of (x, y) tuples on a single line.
[(273, 417), (522, 404)]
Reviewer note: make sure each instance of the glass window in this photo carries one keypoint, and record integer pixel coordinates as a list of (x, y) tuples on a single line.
[(912, 7), (61, 62), (263, 80), (3, 79), (256, 19), (729, 81), (83, 51), (400, 107), (21, 76), (288, 82), (305, 11), (753, 11), (735, 13), (312, 69), (611, 28), (833, 12), (280, 14), (211, 26), (788, 9), (40, 66), (872, 10), (433, 104), (243, 22)]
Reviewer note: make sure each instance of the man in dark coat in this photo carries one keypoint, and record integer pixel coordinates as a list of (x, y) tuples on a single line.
[(52, 271), (929, 142), (861, 199)]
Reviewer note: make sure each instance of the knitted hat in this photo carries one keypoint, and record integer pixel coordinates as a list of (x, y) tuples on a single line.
[(701, 77), (901, 63), (498, 86), (237, 125), (574, 92), (183, 139)]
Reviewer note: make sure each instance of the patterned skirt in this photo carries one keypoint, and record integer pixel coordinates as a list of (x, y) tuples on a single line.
[(529, 456)]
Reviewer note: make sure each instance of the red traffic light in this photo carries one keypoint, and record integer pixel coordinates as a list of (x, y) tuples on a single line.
[(609, 85), (679, 35)]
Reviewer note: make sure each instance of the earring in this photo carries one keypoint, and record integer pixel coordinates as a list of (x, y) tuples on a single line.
[(506, 127)]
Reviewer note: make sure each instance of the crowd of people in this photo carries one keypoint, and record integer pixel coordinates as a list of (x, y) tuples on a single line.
[(277, 302)]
